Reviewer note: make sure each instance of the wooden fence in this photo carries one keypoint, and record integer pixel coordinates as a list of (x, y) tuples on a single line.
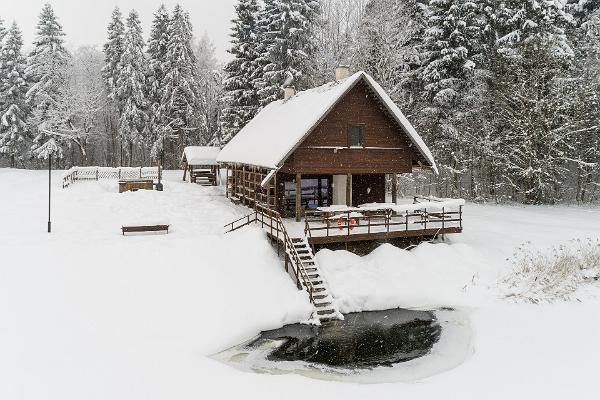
[(96, 173)]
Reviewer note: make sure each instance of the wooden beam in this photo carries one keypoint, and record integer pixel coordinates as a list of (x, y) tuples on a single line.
[(394, 188), (227, 181), (366, 237), (298, 197), (244, 183), (349, 190)]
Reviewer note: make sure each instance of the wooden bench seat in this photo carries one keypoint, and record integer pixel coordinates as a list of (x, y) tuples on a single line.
[(144, 228)]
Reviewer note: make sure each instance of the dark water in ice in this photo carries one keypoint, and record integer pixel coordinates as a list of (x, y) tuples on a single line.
[(361, 340)]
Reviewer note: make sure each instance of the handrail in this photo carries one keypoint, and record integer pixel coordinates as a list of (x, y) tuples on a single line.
[(275, 222), (289, 248), (347, 222), (248, 220)]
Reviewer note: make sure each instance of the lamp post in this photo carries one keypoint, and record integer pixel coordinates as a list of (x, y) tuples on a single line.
[(46, 151), (49, 190)]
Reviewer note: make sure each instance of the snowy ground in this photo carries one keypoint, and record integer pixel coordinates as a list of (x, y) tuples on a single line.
[(88, 314)]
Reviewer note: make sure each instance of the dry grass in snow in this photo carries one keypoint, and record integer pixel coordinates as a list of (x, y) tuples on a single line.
[(553, 275)]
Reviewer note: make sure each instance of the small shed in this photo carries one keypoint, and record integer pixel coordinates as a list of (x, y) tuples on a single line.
[(201, 163)]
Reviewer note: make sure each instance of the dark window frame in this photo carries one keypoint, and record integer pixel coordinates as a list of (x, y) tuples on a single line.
[(349, 135)]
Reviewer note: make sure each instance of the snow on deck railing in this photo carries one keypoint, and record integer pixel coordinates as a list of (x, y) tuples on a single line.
[(433, 215), (96, 173)]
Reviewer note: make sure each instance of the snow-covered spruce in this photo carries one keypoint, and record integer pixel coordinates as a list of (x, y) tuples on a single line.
[(285, 34), (131, 87), (14, 133), (241, 101), (46, 72)]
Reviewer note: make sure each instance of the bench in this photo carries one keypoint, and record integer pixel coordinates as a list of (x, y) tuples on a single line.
[(144, 228), (235, 200)]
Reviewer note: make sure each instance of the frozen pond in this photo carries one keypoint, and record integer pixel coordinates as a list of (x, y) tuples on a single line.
[(374, 346)]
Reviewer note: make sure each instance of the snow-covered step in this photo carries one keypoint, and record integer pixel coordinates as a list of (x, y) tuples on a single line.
[(324, 304)]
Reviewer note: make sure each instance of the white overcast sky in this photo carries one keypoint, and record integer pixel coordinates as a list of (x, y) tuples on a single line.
[(85, 21)]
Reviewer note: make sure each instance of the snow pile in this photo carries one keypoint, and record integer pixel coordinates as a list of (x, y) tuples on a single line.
[(428, 277), (433, 206), (556, 274)]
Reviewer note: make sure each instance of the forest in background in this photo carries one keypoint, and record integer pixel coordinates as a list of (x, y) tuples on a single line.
[(505, 93)]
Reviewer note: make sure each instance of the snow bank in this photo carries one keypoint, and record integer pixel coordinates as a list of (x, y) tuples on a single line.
[(429, 276), (88, 314)]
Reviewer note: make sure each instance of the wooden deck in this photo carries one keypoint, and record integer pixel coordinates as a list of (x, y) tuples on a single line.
[(420, 220), (364, 237)]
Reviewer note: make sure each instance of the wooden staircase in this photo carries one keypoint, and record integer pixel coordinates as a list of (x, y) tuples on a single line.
[(203, 177), (300, 262), (322, 300)]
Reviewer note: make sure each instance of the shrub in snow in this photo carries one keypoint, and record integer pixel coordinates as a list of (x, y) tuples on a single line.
[(553, 275)]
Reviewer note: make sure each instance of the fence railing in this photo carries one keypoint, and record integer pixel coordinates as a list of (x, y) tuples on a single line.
[(272, 222), (96, 173), (422, 216)]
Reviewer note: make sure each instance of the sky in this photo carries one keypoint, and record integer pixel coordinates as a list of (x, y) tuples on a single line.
[(85, 21)]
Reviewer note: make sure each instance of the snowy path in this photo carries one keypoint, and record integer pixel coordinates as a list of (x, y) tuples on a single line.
[(88, 314)]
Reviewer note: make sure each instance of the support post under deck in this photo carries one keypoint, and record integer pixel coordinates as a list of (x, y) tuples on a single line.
[(394, 188), (349, 190), (298, 197)]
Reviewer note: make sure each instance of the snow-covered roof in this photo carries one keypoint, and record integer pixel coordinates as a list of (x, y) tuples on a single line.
[(280, 127), (200, 155)]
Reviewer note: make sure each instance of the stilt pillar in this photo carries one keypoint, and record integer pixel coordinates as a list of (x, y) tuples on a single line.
[(394, 188), (349, 190), (298, 197)]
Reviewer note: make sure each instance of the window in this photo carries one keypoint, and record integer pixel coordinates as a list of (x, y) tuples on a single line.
[(355, 136)]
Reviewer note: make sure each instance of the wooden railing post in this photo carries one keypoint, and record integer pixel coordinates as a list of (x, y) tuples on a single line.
[(443, 223), (348, 223)]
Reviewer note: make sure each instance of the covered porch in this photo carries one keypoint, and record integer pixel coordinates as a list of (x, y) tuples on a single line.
[(300, 194)]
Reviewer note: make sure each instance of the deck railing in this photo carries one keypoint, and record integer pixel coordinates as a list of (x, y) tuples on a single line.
[(96, 173), (371, 221), (272, 222)]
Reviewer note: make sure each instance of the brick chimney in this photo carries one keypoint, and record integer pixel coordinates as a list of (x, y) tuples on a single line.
[(342, 72), (288, 91)]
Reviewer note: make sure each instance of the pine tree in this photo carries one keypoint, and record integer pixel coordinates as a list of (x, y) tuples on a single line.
[(535, 57), (2, 33), (447, 75), (157, 54), (46, 71), (389, 47), (181, 96), (584, 98), (13, 89), (241, 97), (131, 87), (113, 51), (211, 83), (286, 46)]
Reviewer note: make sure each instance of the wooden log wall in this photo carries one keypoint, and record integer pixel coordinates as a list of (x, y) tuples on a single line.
[(244, 186)]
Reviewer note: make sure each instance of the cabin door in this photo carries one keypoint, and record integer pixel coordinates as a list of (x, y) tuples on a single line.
[(368, 189)]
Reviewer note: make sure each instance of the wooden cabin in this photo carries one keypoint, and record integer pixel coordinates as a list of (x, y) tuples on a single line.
[(201, 164), (332, 145)]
